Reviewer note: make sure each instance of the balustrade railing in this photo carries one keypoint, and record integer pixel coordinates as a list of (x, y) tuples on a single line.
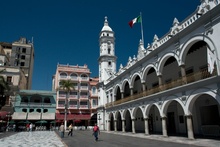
[(175, 83)]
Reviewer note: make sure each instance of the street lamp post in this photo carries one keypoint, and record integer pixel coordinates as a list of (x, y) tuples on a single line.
[(99, 118)]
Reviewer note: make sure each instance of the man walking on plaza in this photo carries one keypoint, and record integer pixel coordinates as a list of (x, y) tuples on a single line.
[(96, 132), (62, 130), (70, 130)]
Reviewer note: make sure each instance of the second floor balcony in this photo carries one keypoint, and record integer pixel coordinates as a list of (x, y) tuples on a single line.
[(190, 78)]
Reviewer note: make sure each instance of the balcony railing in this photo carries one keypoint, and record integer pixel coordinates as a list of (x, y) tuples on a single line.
[(73, 106), (74, 96), (84, 106), (61, 105), (84, 78), (84, 96), (175, 83), (74, 78), (84, 88)]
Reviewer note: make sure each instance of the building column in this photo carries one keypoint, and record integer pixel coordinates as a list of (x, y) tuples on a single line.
[(160, 79), (109, 125), (189, 127), (183, 73), (164, 126), (122, 95), (133, 126), (131, 89), (123, 125), (143, 86), (115, 126), (146, 126)]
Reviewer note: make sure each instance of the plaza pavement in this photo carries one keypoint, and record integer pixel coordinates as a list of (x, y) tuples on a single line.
[(30, 139), (83, 138)]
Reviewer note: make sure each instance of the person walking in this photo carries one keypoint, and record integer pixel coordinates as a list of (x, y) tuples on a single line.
[(61, 129), (70, 130), (14, 127), (31, 127), (96, 132)]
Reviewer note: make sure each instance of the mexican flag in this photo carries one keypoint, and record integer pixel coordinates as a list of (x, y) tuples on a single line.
[(135, 20)]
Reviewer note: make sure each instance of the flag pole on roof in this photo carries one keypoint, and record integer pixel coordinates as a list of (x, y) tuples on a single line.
[(138, 20), (142, 32)]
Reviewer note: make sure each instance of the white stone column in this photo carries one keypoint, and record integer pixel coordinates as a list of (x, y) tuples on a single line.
[(143, 86), (189, 127), (183, 73), (146, 126), (164, 126), (133, 126), (115, 125), (131, 89), (122, 95), (109, 125), (123, 125)]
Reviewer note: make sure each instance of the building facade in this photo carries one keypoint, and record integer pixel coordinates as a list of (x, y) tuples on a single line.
[(22, 56), (14, 76), (34, 107), (169, 88), (82, 101)]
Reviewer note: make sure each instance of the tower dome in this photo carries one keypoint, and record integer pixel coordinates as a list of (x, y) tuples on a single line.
[(106, 26)]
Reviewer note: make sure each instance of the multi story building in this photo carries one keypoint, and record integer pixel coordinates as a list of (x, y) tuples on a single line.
[(14, 77), (36, 107), (22, 55), (172, 86), (82, 100)]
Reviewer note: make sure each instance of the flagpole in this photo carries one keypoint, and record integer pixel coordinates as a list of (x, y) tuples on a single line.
[(142, 32)]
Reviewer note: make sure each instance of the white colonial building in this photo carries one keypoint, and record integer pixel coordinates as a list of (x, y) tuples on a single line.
[(172, 87)]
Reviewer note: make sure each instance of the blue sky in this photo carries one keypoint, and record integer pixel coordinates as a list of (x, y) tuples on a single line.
[(67, 31)]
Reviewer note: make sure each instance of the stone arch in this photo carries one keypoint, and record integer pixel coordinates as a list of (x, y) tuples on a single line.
[(111, 121), (127, 117), (136, 83), (187, 45), (118, 118), (117, 92), (167, 102), (193, 97), (146, 69), (163, 61), (204, 109), (133, 78), (123, 84)]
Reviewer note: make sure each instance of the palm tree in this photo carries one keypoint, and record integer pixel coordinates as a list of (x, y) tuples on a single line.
[(3, 88), (66, 86)]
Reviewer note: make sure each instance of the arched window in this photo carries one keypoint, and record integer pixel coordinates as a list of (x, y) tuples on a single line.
[(63, 75), (109, 51)]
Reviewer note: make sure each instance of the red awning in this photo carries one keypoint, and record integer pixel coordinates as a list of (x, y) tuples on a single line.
[(73, 116), (62, 116), (3, 114), (82, 116)]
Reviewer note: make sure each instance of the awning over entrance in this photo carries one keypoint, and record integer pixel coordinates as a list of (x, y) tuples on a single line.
[(48, 116), (34, 116), (19, 116), (73, 116)]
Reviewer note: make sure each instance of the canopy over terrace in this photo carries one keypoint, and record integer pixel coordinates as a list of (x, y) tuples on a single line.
[(19, 116)]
